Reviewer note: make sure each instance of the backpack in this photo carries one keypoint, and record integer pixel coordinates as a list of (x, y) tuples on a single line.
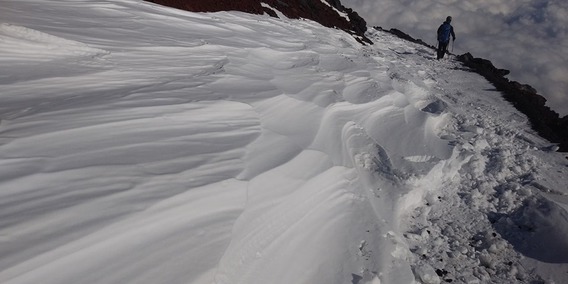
[(444, 32)]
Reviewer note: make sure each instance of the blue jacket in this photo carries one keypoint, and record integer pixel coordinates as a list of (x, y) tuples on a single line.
[(444, 32)]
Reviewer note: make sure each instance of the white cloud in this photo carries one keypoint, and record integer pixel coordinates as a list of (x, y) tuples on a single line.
[(528, 37)]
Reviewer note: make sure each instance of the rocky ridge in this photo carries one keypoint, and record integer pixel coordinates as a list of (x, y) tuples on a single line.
[(326, 13), (546, 122), (525, 98)]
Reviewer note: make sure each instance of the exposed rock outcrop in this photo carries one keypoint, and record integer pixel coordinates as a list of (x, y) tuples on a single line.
[(316, 10)]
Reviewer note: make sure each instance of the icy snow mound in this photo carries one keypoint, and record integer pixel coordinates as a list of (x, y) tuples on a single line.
[(33, 54), (172, 147), (35, 45)]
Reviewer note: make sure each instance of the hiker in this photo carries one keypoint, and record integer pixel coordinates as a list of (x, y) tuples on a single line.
[(444, 32)]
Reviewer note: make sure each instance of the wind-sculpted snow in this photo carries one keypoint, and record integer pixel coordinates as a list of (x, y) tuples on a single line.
[(171, 147)]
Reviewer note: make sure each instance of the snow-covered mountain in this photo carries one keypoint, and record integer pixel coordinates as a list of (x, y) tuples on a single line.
[(144, 144)]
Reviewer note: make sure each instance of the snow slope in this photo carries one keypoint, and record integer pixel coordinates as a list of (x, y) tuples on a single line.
[(141, 144)]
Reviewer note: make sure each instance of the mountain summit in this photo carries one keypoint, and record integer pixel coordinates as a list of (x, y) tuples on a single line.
[(145, 144)]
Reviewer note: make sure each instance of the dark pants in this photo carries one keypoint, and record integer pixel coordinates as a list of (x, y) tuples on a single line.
[(442, 49)]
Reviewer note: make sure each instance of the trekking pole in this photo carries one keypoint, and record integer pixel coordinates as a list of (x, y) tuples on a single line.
[(453, 45)]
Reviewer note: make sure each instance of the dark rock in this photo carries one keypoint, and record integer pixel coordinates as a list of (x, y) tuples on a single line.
[(484, 64), (314, 10), (441, 272)]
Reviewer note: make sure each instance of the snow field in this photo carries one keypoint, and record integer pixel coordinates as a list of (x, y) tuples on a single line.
[(143, 144)]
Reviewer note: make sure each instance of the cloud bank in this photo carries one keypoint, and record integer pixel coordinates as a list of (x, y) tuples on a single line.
[(528, 37)]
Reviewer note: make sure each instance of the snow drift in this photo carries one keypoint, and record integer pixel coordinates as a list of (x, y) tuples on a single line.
[(141, 144)]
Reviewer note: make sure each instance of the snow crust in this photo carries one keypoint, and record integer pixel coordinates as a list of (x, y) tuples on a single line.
[(141, 144)]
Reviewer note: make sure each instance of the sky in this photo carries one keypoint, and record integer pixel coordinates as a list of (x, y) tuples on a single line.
[(527, 37)]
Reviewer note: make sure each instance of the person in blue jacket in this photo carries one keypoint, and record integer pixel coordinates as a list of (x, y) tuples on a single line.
[(444, 32)]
